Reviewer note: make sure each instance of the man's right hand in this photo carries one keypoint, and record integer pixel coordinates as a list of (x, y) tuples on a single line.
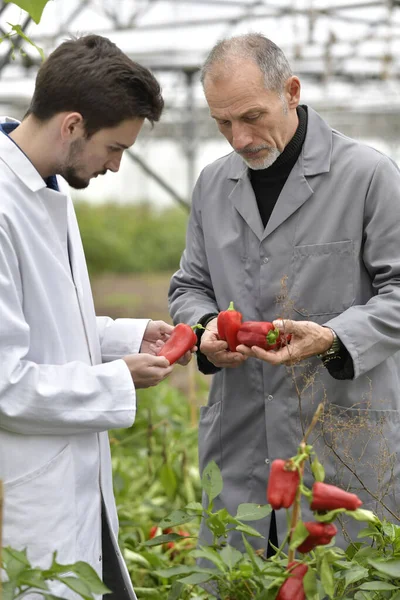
[(216, 350), (147, 370)]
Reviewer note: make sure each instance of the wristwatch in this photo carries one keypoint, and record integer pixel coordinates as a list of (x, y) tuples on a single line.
[(333, 350)]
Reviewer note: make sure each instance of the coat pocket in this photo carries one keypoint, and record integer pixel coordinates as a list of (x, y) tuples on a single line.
[(322, 278), (39, 511), (210, 435)]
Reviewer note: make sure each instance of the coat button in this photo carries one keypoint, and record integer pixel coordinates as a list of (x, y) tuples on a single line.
[(270, 398), (267, 461), (266, 259)]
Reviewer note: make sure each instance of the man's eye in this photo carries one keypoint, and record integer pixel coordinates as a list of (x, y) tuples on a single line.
[(253, 117), (223, 123)]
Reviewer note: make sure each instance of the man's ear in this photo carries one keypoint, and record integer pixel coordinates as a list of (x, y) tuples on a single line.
[(72, 126), (292, 91)]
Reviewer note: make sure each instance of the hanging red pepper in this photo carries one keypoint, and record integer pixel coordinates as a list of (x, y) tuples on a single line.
[(330, 497), (262, 334), (182, 339), (293, 587), (283, 482), (320, 534), (228, 324)]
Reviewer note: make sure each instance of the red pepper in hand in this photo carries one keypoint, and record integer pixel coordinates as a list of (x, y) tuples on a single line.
[(330, 497), (182, 339), (320, 534), (228, 324), (283, 482), (262, 334), (293, 588)]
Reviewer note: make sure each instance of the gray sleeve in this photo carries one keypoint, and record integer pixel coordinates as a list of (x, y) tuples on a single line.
[(371, 332), (191, 293)]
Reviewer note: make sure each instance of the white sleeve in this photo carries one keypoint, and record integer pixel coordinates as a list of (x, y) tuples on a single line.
[(52, 399), (120, 337)]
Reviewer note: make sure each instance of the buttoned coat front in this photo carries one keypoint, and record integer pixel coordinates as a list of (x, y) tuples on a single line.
[(330, 253), (62, 383)]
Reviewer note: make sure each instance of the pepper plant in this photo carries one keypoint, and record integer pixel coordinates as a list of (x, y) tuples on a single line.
[(367, 570)]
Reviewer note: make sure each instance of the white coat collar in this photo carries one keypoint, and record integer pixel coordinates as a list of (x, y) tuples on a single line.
[(316, 152), (18, 162)]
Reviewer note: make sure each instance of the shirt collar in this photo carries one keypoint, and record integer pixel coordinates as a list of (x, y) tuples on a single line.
[(18, 162)]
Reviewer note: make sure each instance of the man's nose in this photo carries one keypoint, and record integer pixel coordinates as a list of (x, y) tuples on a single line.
[(114, 164), (241, 137)]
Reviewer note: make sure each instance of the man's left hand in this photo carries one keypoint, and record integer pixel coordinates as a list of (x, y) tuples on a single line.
[(308, 339), (154, 338)]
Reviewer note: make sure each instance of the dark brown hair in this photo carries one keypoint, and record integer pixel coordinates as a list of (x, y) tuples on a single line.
[(92, 76)]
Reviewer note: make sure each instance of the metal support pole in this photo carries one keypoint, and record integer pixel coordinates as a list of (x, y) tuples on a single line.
[(145, 167), (189, 130)]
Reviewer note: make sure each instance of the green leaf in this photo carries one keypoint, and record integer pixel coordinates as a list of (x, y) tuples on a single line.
[(162, 539), (33, 7), (355, 574), (32, 578), (383, 586), (389, 567), (80, 587), (252, 512), (299, 535), (248, 530), (361, 514), (329, 516), (317, 470), (168, 480), (230, 556), (14, 562), (19, 31), (196, 578), (88, 575), (177, 517), (310, 585), (195, 506), (211, 480), (217, 525), (327, 577), (252, 555), (9, 588), (176, 591), (180, 570), (136, 558), (211, 555)]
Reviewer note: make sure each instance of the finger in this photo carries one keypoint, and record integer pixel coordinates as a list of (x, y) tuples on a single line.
[(212, 347), (286, 325), (245, 350), (274, 358)]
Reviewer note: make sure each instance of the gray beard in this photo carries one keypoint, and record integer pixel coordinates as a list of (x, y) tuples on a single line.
[(257, 164)]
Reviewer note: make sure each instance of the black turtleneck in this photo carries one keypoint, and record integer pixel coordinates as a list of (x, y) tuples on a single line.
[(268, 183)]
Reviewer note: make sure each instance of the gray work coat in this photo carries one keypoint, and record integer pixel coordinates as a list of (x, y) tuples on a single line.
[(331, 254)]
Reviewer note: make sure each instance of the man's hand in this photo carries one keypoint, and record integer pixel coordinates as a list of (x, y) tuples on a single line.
[(308, 339), (147, 370), (155, 336), (216, 350)]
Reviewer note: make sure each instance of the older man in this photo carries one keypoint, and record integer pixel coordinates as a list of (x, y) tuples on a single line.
[(301, 222)]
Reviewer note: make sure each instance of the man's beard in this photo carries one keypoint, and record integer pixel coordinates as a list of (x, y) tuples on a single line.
[(73, 179), (264, 162)]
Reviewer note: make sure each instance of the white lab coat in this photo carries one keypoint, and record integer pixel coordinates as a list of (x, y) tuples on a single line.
[(62, 383)]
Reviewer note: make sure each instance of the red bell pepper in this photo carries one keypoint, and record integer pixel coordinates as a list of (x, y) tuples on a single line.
[(293, 588), (182, 339), (262, 334), (320, 534), (330, 497), (283, 482), (228, 324)]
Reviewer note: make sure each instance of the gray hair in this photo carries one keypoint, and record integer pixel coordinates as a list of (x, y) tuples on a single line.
[(251, 46)]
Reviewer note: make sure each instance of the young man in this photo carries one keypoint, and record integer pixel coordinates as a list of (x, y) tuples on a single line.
[(66, 377), (303, 204)]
